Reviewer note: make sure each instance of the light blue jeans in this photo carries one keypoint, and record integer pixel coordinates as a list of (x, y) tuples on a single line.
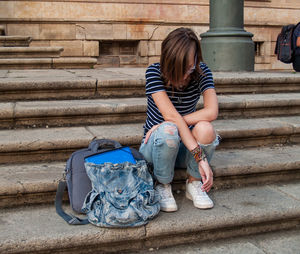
[(165, 151)]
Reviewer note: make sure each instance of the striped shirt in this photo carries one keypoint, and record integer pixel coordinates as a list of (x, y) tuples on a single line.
[(184, 101)]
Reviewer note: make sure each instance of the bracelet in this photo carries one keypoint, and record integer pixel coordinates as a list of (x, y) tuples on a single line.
[(197, 153)]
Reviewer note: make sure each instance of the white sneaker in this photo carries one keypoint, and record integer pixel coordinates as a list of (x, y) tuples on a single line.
[(200, 198), (167, 201)]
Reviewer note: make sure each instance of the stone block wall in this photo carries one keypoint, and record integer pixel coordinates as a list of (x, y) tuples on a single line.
[(130, 32)]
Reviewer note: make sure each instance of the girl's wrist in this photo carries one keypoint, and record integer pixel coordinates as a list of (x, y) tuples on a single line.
[(197, 153)]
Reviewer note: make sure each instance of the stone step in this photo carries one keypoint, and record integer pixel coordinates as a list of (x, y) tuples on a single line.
[(44, 144), (133, 110), (47, 63), (15, 41), (30, 52), (33, 183), (237, 212), (123, 82), (2, 29), (278, 242)]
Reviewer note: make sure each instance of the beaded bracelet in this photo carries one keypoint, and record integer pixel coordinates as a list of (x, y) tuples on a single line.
[(197, 153)]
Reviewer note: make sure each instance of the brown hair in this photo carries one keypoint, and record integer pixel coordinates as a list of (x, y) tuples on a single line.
[(174, 55)]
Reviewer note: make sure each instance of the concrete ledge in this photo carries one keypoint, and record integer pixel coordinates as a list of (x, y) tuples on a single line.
[(48, 63), (52, 88), (133, 110), (129, 82), (241, 211), (25, 63), (53, 143), (37, 182), (15, 41), (74, 62), (30, 52)]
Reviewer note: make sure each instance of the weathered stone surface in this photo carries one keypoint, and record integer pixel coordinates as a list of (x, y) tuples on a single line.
[(37, 43), (120, 133), (59, 235), (71, 48), (57, 31), (25, 63), (74, 62), (30, 52), (94, 32), (141, 20), (154, 48), (236, 212), (143, 48), (232, 208), (108, 111), (6, 110), (2, 30), (271, 242), (15, 41), (30, 178), (44, 139), (232, 168), (90, 48), (32, 30)]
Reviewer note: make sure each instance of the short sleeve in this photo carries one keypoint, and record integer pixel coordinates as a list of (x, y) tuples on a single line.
[(206, 78), (154, 82)]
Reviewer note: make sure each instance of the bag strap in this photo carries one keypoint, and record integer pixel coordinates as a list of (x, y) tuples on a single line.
[(69, 218), (98, 144)]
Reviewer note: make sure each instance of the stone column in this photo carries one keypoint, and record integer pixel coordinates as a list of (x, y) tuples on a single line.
[(226, 46)]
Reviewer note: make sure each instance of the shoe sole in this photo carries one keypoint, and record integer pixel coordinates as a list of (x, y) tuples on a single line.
[(168, 210), (188, 196)]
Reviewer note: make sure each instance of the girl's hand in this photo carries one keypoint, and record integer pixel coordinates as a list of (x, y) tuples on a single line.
[(206, 174), (148, 134)]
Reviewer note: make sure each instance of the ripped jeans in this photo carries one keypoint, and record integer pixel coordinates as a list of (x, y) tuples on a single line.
[(165, 151)]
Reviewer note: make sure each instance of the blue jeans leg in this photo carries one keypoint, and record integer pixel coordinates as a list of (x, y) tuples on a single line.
[(161, 150), (186, 160)]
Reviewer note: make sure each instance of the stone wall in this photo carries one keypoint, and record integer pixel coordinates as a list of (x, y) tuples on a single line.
[(129, 32)]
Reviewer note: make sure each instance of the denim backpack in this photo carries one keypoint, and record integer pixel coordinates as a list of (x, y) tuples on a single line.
[(83, 188), (122, 195)]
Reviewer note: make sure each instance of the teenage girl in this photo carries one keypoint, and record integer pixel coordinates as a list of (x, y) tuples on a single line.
[(176, 134)]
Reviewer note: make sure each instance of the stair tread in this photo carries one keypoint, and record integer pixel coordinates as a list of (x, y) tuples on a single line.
[(14, 37), (43, 177), (234, 208), (286, 241), (138, 74), (66, 137), (122, 105), (121, 82), (30, 49)]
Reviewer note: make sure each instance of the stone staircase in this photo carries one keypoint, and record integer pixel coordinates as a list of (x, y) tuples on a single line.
[(45, 115), (16, 53)]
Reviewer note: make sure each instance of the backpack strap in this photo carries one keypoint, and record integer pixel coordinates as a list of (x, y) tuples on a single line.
[(98, 144), (69, 218)]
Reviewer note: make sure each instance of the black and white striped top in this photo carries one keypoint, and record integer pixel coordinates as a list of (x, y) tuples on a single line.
[(184, 101)]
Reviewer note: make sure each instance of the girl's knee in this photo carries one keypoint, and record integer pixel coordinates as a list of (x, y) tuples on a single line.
[(204, 132), (168, 133)]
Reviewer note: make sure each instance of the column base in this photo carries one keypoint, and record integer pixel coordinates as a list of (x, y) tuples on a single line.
[(228, 50)]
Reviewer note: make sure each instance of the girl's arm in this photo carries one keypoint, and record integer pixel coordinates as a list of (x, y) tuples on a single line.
[(298, 41), (208, 113), (170, 114)]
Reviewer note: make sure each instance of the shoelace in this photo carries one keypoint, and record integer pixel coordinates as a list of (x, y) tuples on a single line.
[(198, 185)]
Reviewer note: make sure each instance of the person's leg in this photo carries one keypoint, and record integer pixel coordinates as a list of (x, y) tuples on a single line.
[(205, 134), (161, 150)]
